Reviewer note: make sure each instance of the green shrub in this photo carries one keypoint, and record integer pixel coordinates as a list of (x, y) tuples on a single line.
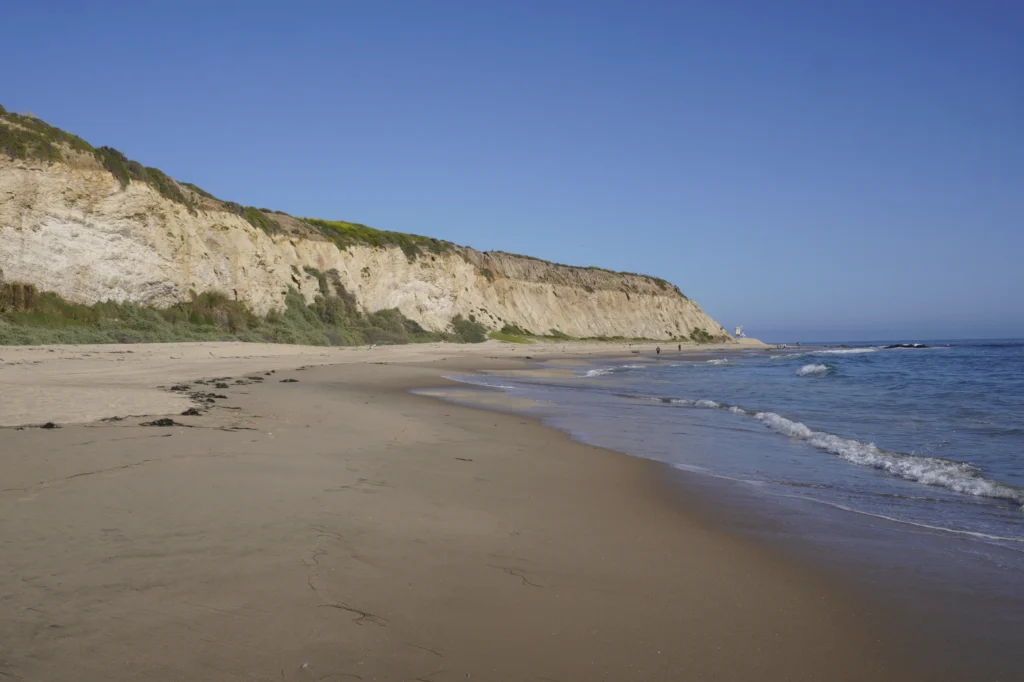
[(260, 221), (163, 184), (509, 338), (345, 234), (469, 331), (30, 317), (115, 162), (701, 335), (321, 279), (198, 190), (515, 330)]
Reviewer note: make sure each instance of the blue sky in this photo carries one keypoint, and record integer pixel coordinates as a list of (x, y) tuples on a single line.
[(813, 170)]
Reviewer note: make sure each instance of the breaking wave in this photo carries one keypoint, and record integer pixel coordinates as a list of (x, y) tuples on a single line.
[(692, 403), (602, 371), (960, 477), (813, 370), (847, 351), (718, 361)]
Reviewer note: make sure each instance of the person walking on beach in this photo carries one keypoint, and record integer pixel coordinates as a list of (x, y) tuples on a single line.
[(658, 350), (680, 348)]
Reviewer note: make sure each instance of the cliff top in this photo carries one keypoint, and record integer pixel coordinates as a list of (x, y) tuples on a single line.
[(25, 137)]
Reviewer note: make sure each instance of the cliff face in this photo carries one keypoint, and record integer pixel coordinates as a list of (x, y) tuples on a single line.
[(75, 230)]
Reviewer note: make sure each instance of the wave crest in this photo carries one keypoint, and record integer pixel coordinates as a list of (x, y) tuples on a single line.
[(960, 477), (602, 371), (813, 370)]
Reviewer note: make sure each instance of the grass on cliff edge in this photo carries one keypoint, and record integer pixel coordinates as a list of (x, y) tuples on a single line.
[(345, 234), (28, 317), (23, 136)]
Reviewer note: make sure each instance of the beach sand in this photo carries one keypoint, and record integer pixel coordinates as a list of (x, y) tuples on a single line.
[(338, 527)]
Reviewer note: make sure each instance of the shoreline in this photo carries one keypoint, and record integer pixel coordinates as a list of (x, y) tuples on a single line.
[(962, 617), (85, 383), (348, 524)]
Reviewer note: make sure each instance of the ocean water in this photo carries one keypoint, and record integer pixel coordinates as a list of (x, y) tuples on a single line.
[(927, 438), (902, 470)]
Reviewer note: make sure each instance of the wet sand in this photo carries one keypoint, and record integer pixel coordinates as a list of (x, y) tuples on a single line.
[(338, 527)]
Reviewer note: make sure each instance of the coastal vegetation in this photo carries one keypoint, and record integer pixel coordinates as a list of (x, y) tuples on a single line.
[(515, 330), (30, 317), (509, 338), (345, 234), (333, 318), (702, 336), (23, 136), (469, 330), (662, 284)]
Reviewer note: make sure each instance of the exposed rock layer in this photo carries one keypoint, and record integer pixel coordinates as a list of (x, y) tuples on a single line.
[(75, 231)]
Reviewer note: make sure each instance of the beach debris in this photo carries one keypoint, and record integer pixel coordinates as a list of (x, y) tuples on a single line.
[(255, 378), (207, 398), (192, 412), (180, 388), (289, 381), (112, 419), (220, 384), (464, 459), (163, 421), (49, 425)]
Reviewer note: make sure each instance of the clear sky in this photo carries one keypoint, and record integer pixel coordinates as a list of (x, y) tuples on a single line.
[(813, 170)]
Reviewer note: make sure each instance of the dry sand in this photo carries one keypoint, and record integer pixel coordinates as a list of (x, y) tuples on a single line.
[(73, 384), (339, 527)]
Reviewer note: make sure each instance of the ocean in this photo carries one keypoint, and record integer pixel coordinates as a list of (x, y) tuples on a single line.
[(905, 462)]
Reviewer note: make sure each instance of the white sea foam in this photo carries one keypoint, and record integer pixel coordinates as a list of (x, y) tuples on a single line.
[(709, 404), (961, 477), (813, 370), (602, 371), (847, 351), (719, 361)]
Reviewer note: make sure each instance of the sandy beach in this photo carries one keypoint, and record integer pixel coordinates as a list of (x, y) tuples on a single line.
[(326, 524)]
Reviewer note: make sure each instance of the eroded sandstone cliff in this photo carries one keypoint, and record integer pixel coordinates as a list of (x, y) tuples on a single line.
[(72, 227)]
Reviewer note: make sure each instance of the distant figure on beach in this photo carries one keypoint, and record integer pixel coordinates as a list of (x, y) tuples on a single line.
[(680, 348), (658, 350)]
